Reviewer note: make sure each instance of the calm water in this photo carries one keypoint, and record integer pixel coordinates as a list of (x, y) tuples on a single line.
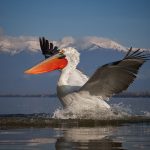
[(125, 136)]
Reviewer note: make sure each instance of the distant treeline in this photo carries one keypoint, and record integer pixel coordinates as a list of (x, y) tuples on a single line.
[(133, 94), (28, 95), (124, 94)]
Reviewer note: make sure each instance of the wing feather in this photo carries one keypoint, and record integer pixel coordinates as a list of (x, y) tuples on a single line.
[(115, 77), (48, 49)]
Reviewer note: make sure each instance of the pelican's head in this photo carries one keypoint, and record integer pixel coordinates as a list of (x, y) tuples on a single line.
[(56, 59)]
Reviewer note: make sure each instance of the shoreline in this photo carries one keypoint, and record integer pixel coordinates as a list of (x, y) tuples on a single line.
[(54, 95)]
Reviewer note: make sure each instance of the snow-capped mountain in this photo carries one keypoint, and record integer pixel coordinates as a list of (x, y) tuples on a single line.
[(15, 45), (89, 43)]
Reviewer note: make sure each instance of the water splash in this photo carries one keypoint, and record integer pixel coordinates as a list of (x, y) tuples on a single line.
[(146, 113), (117, 111), (89, 116)]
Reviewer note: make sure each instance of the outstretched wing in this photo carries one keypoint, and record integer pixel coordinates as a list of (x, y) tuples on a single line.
[(47, 48), (115, 77)]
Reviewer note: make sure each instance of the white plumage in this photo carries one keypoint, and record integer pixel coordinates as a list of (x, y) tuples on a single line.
[(71, 80)]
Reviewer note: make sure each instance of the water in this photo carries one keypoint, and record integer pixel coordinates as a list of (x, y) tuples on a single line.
[(127, 137), (28, 105), (27, 123)]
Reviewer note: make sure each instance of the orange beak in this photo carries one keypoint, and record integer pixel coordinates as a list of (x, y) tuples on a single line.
[(50, 64)]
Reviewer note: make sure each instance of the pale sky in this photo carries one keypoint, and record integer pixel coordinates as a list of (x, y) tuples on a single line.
[(126, 21)]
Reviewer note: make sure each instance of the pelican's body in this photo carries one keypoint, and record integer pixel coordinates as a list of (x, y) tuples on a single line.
[(75, 89), (71, 80), (69, 95)]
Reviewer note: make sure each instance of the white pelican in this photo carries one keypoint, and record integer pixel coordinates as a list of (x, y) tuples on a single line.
[(77, 90)]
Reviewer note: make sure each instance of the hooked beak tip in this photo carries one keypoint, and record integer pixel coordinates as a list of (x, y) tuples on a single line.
[(28, 72)]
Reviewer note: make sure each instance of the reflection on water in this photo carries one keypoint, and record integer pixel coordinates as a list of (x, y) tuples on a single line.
[(129, 136), (88, 138), (59, 139)]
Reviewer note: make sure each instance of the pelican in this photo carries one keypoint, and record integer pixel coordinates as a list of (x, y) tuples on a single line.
[(75, 89)]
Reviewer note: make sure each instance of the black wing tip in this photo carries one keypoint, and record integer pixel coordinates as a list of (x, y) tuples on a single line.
[(137, 54), (44, 40), (48, 49), (128, 53)]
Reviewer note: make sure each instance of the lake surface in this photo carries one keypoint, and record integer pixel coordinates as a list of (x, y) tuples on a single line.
[(30, 126)]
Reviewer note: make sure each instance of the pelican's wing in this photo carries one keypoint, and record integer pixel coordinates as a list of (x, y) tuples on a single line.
[(47, 48), (115, 77)]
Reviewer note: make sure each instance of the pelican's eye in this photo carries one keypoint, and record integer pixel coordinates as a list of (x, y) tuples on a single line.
[(61, 51), (61, 54)]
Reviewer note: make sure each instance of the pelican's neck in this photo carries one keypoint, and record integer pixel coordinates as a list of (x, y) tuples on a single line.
[(63, 86), (63, 80), (72, 56), (66, 73)]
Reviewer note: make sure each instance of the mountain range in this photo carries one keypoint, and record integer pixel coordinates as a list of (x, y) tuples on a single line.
[(20, 53)]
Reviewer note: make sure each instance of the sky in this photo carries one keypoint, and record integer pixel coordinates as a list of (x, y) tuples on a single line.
[(125, 21)]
